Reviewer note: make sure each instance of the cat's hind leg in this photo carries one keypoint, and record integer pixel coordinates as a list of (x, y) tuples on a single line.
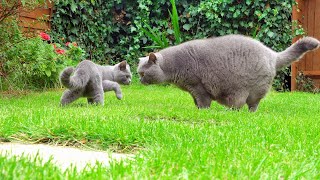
[(239, 100), (253, 100), (112, 86), (69, 96), (253, 103)]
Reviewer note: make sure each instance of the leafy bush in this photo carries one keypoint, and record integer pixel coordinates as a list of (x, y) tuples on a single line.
[(111, 31), (34, 63)]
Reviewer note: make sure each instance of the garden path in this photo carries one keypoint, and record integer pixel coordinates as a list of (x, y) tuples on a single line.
[(63, 157)]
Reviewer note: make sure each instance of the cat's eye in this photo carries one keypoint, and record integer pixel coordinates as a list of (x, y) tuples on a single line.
[(141, 74)]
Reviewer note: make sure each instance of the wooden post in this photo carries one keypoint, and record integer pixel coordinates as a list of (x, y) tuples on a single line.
[(297, 12)]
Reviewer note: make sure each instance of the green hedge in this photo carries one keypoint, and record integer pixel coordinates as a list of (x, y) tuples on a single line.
[(110, 31)]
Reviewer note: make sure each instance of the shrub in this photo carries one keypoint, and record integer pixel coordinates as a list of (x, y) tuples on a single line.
[(34, 63)]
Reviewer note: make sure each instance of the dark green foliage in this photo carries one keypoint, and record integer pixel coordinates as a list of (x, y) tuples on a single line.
[(111, 31), (306, 84)]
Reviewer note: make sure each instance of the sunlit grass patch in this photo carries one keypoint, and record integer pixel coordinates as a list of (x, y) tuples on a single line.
[(171, 138)]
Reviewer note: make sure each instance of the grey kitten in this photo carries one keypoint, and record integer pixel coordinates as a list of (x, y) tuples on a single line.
[(233, 70), (92, 80)]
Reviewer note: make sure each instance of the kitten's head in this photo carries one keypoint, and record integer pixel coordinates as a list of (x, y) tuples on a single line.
[(122, 73), (149, 70)]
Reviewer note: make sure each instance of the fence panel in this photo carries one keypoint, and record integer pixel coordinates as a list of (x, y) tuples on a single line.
[(307, 13), (36, 20)]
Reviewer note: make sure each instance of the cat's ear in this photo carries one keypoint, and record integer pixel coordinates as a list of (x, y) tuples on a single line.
[(123, 65), (152, 58)]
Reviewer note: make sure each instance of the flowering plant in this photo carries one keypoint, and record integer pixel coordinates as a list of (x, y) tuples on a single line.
[(74, 52), (45, 36), (68, 54)]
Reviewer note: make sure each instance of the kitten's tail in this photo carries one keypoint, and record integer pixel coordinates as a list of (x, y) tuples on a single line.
[(296, 51), (78, 80)]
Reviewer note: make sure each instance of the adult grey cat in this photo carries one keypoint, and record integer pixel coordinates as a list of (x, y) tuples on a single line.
[(92, 80), (234, 70)]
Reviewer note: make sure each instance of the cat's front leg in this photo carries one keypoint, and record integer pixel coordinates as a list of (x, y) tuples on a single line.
[(98, 97), (112, 86), (200, 96)]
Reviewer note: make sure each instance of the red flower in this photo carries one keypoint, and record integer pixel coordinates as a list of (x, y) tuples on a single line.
[(74, 44), (67, 44), (45, 36), (60, 51)]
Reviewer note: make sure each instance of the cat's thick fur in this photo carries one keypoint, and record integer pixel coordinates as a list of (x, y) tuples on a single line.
[(91, 80), (233, 70)]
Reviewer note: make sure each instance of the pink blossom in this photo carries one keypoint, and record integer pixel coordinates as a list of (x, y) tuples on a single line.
[(60, 51), (67, 44), (45, 36)]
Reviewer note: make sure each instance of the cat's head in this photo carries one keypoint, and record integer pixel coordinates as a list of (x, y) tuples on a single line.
[(122, 73), (149, 70)]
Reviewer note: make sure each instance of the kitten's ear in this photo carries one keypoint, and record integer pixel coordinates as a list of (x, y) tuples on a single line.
[(123, 65), (152, 58)]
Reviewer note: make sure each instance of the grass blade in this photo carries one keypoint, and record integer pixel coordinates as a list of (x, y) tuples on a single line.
[(175, 22)]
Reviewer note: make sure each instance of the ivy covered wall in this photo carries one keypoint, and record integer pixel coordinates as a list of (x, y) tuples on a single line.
[(110, 31)]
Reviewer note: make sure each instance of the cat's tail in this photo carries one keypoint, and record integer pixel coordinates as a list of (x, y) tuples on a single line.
[(78, 80), (296, 51)]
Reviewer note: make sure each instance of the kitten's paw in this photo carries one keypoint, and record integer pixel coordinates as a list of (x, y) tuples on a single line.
[(119, 96), (69, 70)]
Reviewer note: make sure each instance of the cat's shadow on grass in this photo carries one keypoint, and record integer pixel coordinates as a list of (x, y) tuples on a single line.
[(80, 104)]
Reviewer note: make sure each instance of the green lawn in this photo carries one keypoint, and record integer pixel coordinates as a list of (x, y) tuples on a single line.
[(171, 138)]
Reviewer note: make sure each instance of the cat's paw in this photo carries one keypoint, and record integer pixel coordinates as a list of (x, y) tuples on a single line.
[(119, 96)]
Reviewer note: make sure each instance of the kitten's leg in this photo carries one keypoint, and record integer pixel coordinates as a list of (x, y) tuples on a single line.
[(112, 86), (200, 96), (69, 96), (98, 97)]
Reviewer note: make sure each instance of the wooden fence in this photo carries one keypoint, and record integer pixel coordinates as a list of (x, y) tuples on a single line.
[(36, 20), (307, 13)]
